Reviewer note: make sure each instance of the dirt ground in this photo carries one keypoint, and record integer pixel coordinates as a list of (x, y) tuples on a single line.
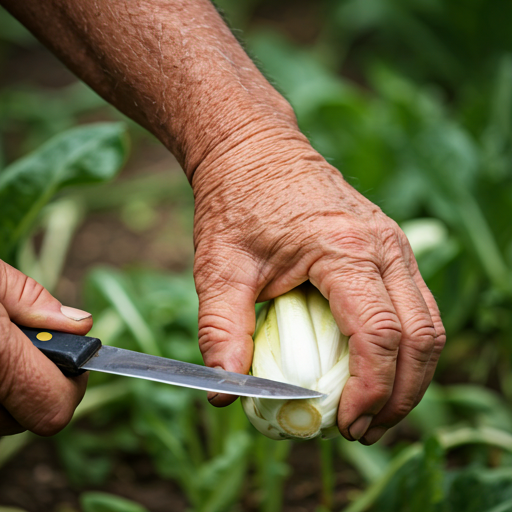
[(35, 481)]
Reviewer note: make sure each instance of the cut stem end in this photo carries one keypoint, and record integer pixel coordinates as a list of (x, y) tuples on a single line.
[(299, 418)]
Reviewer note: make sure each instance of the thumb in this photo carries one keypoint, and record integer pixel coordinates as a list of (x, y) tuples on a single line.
[(34, 393), (226, 319), (30, 304)]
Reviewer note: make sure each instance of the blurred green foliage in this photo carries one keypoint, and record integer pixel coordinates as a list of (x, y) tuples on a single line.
[(412, 101)]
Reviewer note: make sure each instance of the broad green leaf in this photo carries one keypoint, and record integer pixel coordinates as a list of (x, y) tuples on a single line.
[(103, 502), (87, 154)]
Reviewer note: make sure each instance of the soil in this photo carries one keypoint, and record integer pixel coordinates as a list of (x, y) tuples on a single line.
[(35, 481)]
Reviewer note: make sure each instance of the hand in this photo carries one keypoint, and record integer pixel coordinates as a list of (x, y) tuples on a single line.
[(272, 213), (34, 394)]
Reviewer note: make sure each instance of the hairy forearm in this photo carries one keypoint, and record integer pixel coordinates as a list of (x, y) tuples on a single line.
[(173, 66)]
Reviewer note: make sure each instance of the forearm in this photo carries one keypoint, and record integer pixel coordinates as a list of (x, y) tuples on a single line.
[(173, 66)]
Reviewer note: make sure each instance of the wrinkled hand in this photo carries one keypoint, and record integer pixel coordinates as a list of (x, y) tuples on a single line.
[(272, 213), (34, 394)]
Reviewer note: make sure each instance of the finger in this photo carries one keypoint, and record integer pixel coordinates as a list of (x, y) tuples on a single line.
[(440, 333), (226, 315), (416, 345), (30, 304), (32, 389), (8, 425), (363, 310)]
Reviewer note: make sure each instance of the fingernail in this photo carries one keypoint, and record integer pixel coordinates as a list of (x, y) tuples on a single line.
[(374, 434), (360, 426), (74, 314)]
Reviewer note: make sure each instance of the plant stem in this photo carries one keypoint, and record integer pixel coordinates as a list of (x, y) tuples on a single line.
[(326, 460), (271, 472)]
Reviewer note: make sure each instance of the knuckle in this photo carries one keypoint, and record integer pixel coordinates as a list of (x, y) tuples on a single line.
[(232, 268), (420, 352), (353, 241), (357, 277), (388, 230), (393, 242), (402, 408), (388, 235), (439, 343), (396, 410), (422, 336), (30, 292), (386, 330), (211, 332), (379, 394)]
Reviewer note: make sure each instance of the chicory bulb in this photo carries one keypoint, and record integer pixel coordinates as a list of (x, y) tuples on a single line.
[(298, 342)]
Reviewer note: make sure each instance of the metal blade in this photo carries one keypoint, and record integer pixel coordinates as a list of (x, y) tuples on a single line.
[(136, 364)]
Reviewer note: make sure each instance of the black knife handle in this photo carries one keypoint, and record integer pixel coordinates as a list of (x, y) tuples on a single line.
[(68, 351)]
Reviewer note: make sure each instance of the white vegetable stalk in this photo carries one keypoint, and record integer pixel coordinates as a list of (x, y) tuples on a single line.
[(298, 342)]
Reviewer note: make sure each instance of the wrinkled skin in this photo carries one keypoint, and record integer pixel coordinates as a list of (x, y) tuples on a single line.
[(283, 216), (270, 212), (34, 394)]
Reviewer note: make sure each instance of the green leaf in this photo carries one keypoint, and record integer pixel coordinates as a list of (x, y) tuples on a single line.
[(103, 502), (270, 459), (371, 462), (432, 412), (116, 290), (479, 404), (87, 154), (221, 479), (479, 489), (428, 490)]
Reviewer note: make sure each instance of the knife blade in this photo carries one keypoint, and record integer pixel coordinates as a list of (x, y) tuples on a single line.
[(75, 354)]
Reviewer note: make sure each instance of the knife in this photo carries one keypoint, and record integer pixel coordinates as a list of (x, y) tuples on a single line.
[(75, 354)]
